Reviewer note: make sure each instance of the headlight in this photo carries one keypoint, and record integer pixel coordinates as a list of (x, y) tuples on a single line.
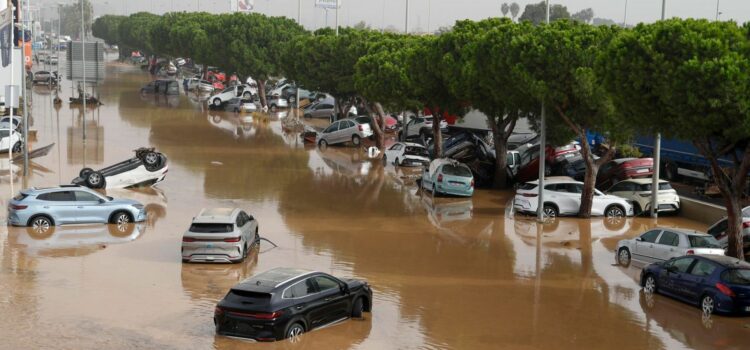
[(138, 206)]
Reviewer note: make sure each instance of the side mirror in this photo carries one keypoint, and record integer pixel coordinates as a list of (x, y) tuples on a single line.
[(639, 239), (101, 201), (672, 269), (344, 288)]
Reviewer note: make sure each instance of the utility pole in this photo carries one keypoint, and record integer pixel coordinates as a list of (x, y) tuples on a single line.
[(717, 10), (657, 155), (299, 21), (25, 96), (83, 58), (542, 152), (625, 17), (338, 4), (406, 21)]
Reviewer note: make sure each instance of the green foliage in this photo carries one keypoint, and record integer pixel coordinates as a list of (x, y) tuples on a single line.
[(71, 18), (135, 30), (585, 15), (107, 28), (537, 13)]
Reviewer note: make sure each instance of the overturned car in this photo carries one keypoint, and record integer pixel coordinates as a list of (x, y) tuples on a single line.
[(147, 168)]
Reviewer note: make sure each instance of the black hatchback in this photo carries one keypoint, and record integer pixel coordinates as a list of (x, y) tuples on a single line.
[(285, 302)]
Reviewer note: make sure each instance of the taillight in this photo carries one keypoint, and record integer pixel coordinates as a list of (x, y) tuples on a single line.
[(724, 289), (258, 315), (472, 182), (218, 311), (746, 224), (188, 239), (529, 194), (18, 206), (232, 240), (360, 127), (690, 252), (440, 178)]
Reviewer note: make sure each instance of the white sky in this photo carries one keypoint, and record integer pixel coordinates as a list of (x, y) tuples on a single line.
[(380, 13)]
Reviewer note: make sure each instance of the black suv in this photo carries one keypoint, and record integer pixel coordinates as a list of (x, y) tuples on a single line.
[(285, 302)]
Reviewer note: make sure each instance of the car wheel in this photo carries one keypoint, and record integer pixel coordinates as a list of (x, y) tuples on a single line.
[(649, 285), (151, 159), (121, 230), (549, 211), (217, 102), (708, 304), (85, 172), (41, 226), (121, 218), (637, 209), (356, 140), (247, 95), (294, 330), (292, 99), (17, 147), (623, 257), (95, 179), (323, 143), (358, 308), (614, 211)]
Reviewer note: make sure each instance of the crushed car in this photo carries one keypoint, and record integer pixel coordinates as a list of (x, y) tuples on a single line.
[(147, 168)]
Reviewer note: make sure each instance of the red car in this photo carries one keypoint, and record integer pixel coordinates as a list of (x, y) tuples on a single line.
[(529, 170), (617, 170)]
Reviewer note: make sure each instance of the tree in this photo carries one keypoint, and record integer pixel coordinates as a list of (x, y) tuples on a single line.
[(537, 13), (71, 18), (688, 79), (584, 15), (134, 31), (514, 9), (555, 62), (603, 22), (504, 8)]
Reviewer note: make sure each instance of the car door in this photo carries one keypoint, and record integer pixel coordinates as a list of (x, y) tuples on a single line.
[(348, 129), (644, 246), (697, 279), (671, 277), (667, 246), (330, 131), (91, 208), (61, 205), (336, 302), (393, 152)]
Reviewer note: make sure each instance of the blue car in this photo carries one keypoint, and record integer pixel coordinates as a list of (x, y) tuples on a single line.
[(41, 208), (715, 283), (447, 176)]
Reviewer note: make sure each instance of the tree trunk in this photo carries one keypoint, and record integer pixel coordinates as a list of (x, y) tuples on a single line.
[(377, 126), (592, 169), (437, 136), (500, 135), (262, 92), (734, 226)]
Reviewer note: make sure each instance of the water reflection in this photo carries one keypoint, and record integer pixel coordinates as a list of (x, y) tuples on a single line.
[(74, 240)]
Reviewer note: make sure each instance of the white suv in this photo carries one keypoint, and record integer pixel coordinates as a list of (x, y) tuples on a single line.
[(562, 196), (421, 126), (223, 235), (244, 91), (638, 192)]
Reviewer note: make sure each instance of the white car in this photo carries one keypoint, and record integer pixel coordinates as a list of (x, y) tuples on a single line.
[(14, 140), (147, 168), (199, 85), (223, 235), (719, 230), (244, 91), (407, 154), (562, 196), (6, 121), (662, 244), (638, 192), (421, 126)]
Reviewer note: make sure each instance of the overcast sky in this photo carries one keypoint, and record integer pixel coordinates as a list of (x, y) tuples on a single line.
[(379, 13)]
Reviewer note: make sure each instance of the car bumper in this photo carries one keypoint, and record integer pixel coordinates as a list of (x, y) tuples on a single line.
[(244, 327), (455, 191), (523, 206), (205, 252), (17, 220), (732, 306), (415, 162)]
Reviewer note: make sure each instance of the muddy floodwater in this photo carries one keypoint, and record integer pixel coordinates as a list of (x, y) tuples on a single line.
[(447, 273)]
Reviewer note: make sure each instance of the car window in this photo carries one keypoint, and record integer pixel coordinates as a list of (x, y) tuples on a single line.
[(746, 212), (82, 196), (456, 170), (681, 264), (211, 228), (300, 289), (650, 236), (239, 222), (575, 188), (736, 276), (60, 196), (325, 283), (718, 229), (396, 147), (620, 187), (703, 268), (333, 127), (669, 238), (703, 241)]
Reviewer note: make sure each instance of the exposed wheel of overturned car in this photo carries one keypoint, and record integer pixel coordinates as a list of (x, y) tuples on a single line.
[(95, 179), (152, 161), (85, 172), (217, 102), (17, 147)]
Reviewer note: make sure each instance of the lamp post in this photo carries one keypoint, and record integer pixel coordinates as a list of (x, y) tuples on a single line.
[(25, 96), (657, 155), (717, 10), (406, 19), (542, 151)]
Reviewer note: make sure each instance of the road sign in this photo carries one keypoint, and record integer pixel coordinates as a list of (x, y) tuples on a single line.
[(328, 4)]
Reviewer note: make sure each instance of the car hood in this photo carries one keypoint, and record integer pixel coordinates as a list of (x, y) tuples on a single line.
[(123, 201)]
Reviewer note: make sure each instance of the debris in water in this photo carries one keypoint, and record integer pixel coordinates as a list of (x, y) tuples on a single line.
[(216, 163)]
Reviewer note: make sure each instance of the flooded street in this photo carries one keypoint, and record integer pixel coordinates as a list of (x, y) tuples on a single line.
[(447, 273)]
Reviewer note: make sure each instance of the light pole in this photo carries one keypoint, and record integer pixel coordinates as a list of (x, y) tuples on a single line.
[(429, 13), (338, 4), (406, 20), (83, 58), (25, 95), (542, 151), (717, 10), (625, 17), (657, 154)]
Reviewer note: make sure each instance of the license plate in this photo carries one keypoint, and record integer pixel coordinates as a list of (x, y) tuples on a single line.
[(569, 155), (209, 245), (640, 171)]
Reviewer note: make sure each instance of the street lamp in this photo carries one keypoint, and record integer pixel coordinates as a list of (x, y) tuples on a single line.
[(542, 151), (657, 154), (717, 10)]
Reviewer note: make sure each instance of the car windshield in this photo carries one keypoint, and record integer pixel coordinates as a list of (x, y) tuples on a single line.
[(527, 186), (737, 276), (746, 212), (456, 170), (662, 186), (211, 228), (416, 151), (703, 242)]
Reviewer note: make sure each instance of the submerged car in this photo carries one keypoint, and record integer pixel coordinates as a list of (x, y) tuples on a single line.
[(719, 230), (220, 235), (638, 191), (276, 102), (447, 176), (344, 131), (407, 154), (162, 86), (45, 77), (238, 105), (717, 284), (8, 140), (286, 302), (41, 208), (660, 244), (624, 168), (562, 196), (147, 168)]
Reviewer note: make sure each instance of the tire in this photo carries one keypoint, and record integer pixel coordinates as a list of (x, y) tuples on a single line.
[(637, 210), (95, 179), (247, 95), (623, 257), (40, 221), (85, 172), (708, 304), (356, 140), (649, 284), (323, 143), (550, 211), (614, 211), (291, 99), (121, 218), (41, 230), (358, 308), (17, 147), (217, 102), (151, 159), (294, 330)]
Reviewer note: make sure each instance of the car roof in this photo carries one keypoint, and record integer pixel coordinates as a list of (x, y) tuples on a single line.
[(681, 230), (556, 180), (270, 280), (413, 144), (38, 190), (622, 160), (216, 215), (643, 181), (726, 261)]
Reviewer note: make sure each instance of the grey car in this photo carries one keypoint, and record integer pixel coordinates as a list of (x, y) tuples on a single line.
[(41, 208), (222, 235), (323, 109), (344, 131)]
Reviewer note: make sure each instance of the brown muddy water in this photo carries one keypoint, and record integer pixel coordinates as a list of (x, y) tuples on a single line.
[(447, 273)]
